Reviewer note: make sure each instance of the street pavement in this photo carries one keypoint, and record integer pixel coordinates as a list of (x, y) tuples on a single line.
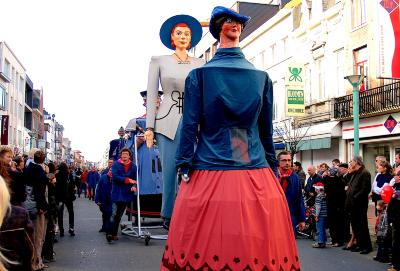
[(89, 250)]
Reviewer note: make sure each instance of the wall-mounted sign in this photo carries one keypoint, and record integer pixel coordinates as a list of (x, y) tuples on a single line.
[(294, 88), (4, 129)]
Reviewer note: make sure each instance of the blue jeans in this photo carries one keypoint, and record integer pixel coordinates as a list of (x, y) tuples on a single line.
[(168, 148), (321, 230)]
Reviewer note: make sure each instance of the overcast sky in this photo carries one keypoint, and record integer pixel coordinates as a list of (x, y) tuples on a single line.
[(91, 57)]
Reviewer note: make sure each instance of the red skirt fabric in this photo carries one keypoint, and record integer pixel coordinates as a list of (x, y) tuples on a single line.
[(231, 220)]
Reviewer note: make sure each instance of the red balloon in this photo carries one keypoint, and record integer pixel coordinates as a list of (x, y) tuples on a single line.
[(387, 193)]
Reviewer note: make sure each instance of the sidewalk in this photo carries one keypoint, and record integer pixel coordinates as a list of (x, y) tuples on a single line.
[(371, 221)]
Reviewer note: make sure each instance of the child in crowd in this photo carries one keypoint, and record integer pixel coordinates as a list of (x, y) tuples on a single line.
[(382, 229), (321, 212)]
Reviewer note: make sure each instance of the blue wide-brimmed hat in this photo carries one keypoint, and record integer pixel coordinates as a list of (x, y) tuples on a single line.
[(219, 12), (168, 25)]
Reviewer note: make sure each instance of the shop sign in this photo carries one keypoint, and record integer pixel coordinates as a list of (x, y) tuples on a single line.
[(294, 88), (390, 123)]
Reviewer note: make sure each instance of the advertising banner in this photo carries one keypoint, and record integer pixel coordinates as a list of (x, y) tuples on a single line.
[(388, 39), (294, 89), (4, 129)]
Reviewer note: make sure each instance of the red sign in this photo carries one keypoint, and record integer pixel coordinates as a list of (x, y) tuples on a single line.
[(4, 129)]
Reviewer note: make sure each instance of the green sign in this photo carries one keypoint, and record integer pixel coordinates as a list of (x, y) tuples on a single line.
[(295, 96), (294, 82)]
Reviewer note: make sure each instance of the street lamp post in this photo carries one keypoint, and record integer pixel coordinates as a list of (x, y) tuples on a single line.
[(355, 81)]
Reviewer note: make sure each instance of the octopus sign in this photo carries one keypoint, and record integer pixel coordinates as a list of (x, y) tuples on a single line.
[(389, 38)]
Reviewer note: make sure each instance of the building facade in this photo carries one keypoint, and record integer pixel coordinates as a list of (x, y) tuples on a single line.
[(12, 99)]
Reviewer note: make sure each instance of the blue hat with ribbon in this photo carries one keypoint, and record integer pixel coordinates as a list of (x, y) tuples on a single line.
[(169, 24), (223, 12)]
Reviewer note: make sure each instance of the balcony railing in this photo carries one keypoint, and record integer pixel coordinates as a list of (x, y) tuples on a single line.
[(373, 101)]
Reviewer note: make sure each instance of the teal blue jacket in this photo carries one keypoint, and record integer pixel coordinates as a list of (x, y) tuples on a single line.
[(228, 114)]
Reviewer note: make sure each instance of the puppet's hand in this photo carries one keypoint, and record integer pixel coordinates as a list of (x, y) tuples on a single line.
[(149, 136)]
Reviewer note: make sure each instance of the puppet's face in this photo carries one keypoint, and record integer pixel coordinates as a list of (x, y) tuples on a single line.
[(231, 29), (180, 37)]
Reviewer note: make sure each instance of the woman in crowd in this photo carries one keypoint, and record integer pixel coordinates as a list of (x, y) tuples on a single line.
[(4, 207), (383, 177), (179, 33)]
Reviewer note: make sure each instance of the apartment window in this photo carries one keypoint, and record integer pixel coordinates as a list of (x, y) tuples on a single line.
[(21, 112), (360, 57), (7, 68), (307, 84), (16, 81), (21, 84), (262, 58), (2, 98), (275, 105), (338, 87), (273, 52), (359, 15), (320, 77)]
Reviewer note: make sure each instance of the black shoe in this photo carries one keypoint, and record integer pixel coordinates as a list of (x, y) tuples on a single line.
[(355, 249), (166, 223), (109, 238), (71, 232), (366, 251)]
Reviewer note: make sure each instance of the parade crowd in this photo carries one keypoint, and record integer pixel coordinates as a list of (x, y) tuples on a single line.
[(336, 198)]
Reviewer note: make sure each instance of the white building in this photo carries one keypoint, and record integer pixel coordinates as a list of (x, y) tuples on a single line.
[(12, 98)]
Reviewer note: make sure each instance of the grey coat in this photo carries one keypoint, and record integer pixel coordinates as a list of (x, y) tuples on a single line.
[(166, 71)]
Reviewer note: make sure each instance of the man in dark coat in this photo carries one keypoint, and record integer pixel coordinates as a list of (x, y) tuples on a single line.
[(309, 190), (37, 179), (357, 204), (116, 145), (335, 198), (292, 187)]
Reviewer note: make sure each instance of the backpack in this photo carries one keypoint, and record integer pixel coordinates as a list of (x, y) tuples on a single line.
[(30, 203)]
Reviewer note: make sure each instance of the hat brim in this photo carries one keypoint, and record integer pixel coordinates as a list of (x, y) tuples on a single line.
[(169, 24), (219, 12)]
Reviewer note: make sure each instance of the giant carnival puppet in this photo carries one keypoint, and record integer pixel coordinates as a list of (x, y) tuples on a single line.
[(230, 212), (149, 166), (116, 145), (178, 33)]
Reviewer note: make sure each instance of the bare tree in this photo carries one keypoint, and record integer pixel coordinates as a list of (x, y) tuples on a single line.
[(292, 132)]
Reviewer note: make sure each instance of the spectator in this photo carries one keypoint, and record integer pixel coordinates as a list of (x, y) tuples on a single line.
[(396, 160), (393, 212), (65, 195), (83, 187), (103, 198), (4, 207), (321, 213), (36, 178), (123, 186), (383, 177), (323, 167), (300, 172), (51, 215), (357, 204), (335, 163), (92, 180), (335, 198), (382, 233), (292, 188), (309, 191), (16, 178)]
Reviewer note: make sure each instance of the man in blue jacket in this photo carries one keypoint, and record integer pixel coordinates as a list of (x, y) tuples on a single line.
[(92, 180), (123, 188), (291, 185), (103, 198)]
